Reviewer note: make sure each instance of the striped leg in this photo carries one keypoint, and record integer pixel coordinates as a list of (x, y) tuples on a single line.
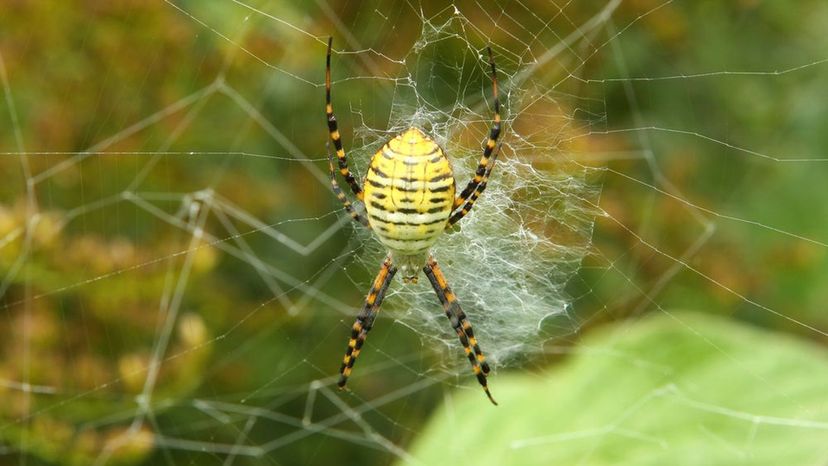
[(334, 131), (460, 323), (365, 319), (341, 196), (460, 213), (482, 169)]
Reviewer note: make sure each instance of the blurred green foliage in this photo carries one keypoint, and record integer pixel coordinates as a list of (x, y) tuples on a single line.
[(657, 391), (84, 309)]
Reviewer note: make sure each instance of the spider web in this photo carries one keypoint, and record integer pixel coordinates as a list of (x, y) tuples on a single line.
[(535, 220), (178, 281)]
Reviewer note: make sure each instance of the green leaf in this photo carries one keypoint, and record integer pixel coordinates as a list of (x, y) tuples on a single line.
[(668, 390)]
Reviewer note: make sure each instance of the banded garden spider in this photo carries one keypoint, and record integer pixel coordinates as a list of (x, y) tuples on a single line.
[(410, 191)]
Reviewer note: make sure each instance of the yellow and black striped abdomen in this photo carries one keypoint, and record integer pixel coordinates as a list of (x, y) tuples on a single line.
[(409, 192)]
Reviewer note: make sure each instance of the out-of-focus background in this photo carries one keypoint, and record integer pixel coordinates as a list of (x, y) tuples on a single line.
[(177, 280)]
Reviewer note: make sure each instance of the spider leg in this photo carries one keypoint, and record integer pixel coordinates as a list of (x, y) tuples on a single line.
[(334, 131), (365, 319), (341, 195), (459, 322), (483, 167), (460, 213)]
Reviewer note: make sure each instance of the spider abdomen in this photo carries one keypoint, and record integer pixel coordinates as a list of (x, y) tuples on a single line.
[(409, 192)]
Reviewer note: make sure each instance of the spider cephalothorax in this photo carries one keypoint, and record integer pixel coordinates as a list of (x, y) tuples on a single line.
[(409, 197)]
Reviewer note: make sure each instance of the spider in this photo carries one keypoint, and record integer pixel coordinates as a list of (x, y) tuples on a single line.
[(409, 201)]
